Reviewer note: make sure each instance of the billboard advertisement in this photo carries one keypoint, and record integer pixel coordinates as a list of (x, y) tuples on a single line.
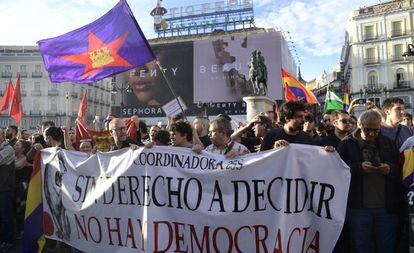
[(213, 71)]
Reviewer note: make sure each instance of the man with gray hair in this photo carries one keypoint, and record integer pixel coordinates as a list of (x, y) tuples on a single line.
[(7, 185), (375, 194), (220, 132)]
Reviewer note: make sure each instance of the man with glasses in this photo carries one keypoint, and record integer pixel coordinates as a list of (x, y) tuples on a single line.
[(292, 114), (119, 133), (342, 126), (393, 108), (374, 193)]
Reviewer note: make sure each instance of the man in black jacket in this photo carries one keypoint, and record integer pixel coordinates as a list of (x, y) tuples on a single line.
[(292, 115), (342, 124), (375, 190)]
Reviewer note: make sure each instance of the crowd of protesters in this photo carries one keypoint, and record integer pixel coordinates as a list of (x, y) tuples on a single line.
[(371, 145)]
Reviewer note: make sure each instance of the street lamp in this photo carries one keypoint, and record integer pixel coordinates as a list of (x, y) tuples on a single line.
[(410, 51), (124, 87)]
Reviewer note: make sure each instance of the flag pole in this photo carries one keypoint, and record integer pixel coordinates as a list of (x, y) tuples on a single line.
[(170, 87)]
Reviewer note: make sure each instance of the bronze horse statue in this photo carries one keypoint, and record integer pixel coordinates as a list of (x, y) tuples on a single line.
[(258, 73)]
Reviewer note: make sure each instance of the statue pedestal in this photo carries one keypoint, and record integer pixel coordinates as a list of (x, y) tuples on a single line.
[(257, 104)]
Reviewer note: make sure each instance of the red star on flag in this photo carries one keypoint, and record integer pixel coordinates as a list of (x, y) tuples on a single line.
[(100, 55)]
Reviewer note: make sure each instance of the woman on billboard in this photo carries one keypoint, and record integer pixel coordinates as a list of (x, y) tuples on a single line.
[(149, 88)]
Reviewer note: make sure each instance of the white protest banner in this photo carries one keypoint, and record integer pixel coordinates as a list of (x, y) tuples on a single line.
[(168, 199)]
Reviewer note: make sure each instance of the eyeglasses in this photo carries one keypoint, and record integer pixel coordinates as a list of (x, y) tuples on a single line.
[(119, 129), (345, 121)]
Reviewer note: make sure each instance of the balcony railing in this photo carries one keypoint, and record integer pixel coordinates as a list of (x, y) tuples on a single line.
[(402, 85), (22, 74), (397, 57), (53, 92), (36, 93), (369, 37), (398, 32), (371, 61), (7, 74), (52, 113), (35, 113), (37, 74)]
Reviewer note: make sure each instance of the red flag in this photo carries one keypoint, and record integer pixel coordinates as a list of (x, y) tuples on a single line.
[(16, 108), (131, 129), (102, 140), (7, 97), (289, 96), (83, 107)]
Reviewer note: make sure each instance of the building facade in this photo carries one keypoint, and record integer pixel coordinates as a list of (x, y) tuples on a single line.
[(43, 100), (371, 61)]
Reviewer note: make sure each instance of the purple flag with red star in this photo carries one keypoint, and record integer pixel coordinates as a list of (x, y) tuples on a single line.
[(110, 45)]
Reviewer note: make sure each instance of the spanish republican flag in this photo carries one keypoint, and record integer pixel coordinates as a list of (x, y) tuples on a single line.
[(294, 90)]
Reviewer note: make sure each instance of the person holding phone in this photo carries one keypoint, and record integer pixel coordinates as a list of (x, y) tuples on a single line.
[(375, 195)]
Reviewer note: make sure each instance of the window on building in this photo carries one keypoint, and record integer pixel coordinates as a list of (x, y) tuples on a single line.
[(398, 51), (7, 68), (369, 32), (370, 55), (53, 105), (396, 27), (53, 86), (37, 86), (38, 68), (372, 80), (400, 81), (22, 68), (36, 105)]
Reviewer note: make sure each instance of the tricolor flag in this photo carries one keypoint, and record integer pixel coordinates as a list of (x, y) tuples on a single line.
[(346, 98), (110, 45), (33, 238), (294, 90), (332, 101)]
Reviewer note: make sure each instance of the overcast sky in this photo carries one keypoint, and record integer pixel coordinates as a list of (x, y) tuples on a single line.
[(317, 27)]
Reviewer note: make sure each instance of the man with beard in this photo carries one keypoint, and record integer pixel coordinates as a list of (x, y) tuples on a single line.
[(342, 124), (292, 115), (327, 122), (11, 134)]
